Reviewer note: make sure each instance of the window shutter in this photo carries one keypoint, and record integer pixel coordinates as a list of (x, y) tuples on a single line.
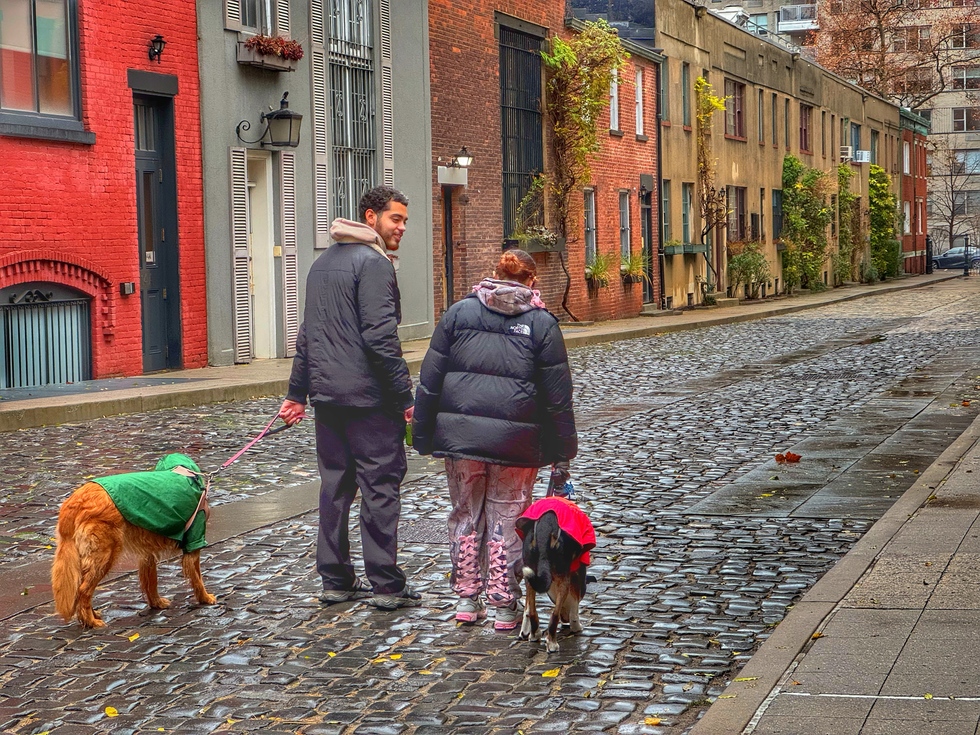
[(282, 18), (387, 105), (241, 277), (290, 266), (233, 15), (321, 164)]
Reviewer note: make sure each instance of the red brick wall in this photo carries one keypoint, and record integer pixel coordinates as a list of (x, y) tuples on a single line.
[(69, 210), (465, 88), (913, 186)]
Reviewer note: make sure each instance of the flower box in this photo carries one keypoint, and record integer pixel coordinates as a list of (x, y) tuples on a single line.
[(251, 57)]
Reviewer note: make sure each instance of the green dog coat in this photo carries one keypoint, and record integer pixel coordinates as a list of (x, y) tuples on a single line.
[(163, 501)]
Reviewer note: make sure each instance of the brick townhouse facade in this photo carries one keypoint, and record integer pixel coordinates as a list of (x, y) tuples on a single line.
[(488, 87), (101, 226)]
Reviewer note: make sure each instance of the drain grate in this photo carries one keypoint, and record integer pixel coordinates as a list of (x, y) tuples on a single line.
[(424, 532)]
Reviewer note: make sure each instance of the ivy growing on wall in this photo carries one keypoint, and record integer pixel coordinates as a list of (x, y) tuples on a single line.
[(806, 216), (886, 249), (846, 231), (580, 71)]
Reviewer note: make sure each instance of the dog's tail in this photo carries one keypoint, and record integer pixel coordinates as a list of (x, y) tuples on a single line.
[(66, 571)]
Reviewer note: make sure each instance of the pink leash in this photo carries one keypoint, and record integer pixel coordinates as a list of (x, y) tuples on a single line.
[(203, 503)]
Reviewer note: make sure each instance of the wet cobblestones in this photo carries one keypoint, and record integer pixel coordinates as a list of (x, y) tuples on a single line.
[(682, 599)]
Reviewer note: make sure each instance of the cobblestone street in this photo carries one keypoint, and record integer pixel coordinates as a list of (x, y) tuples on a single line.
[(704, 544)]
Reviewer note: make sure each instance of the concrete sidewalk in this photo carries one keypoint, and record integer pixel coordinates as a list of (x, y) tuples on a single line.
[(25, 408), (887, 642)]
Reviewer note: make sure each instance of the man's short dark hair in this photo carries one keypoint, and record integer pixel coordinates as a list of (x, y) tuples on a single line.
[(378, 200)]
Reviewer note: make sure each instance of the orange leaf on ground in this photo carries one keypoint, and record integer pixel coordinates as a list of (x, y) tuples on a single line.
[(792, 457), (780, 458)]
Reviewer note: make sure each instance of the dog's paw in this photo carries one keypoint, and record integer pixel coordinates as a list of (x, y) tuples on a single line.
[(161, 603), (552, 645), (93, 623), (535, 636), (575, 626), (207, 600)]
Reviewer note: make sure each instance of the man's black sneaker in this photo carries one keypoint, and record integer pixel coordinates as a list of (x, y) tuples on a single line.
[(406, 598), (359, 591)]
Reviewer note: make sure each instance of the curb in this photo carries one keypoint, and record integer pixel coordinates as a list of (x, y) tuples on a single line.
[(737, 705)]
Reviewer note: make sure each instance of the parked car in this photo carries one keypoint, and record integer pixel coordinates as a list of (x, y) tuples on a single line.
[(953, 258)]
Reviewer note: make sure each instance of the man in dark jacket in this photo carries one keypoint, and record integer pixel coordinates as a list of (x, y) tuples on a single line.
[(349, 364)]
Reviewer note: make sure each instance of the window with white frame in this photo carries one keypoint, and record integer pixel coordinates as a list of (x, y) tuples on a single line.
[(590, 238), (907, 212), (966, 119), (624, 223), (965, 77), (686, 93), (665, 209), (806, 115), (614, 101), (257, 15), (966, 162), (906, 158), (639, 101)]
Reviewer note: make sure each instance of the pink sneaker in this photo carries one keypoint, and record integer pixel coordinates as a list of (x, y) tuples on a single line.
[(470, 610), (509, 617)]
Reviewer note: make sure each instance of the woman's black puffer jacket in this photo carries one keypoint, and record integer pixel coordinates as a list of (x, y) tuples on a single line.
[(496, 387)]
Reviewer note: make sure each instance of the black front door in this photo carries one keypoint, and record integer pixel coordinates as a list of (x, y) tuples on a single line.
[(646, 232), (156, 213)]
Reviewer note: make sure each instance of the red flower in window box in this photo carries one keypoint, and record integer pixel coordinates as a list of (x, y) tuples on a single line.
[(284, 48)]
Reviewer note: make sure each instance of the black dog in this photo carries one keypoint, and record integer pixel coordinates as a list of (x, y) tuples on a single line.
[(557, 538)]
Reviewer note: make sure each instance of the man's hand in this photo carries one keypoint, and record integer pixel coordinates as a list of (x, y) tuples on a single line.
[(409, 412), (292, 412)]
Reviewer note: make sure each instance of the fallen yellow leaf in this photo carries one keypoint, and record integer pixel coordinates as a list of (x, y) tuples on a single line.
[(111, 712), (395, 656), (651, 721), (331, 654), (816, 635), (927, 696), (551, 673), (425, 671), (727, 696), (133, 637)]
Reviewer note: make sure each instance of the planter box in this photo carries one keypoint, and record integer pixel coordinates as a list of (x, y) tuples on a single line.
[(545, 246), (250, 57)]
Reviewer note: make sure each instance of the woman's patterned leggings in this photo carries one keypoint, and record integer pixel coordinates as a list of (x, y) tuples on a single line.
[(487, 501)]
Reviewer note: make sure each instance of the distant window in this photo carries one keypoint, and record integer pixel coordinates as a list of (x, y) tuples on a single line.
[(257, 15), (777, 212), (639, 101), (775, 125), (966, 162), (965, 77), (614, 101), (734, 108), (906, 158), (762, 116), (786, 121), (806, 113), (589, 226), (687, 199), (624, 223), (665, 90), (665, 209), (966, 119), (686, 93), (855, 136), (874, 146), (965, 35)]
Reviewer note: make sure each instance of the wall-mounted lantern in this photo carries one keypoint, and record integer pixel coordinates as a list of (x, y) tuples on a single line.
[(463, 159), (281, 127), (156, 47)]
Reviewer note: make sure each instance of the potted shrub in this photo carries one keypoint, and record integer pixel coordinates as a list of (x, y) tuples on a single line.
[(749, 268), (598, 271), (634, 267), (277, 53)]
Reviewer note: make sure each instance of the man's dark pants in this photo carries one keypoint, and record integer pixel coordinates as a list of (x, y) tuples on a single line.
[(360, 448)]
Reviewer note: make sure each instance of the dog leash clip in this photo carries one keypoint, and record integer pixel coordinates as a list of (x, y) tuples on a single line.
[(566, 490)]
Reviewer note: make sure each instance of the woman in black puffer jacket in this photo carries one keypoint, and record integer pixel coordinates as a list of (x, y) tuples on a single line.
[(495, 399)]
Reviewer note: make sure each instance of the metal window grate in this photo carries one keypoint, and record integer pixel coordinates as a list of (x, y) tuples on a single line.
[(44, 343), (521, 120), (352, 67)]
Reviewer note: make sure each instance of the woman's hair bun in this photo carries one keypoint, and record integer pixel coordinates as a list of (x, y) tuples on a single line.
[(516, 265)]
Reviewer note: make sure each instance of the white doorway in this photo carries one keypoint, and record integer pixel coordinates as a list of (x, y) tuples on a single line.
[(261, 240)]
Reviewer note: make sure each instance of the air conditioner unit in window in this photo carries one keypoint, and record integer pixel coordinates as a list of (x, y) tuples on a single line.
[(846, 153), (862, 156)]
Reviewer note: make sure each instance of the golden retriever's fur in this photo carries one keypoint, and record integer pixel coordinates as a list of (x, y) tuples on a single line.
[(91, 535)]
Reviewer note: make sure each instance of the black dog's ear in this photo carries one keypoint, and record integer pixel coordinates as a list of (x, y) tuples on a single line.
[(525, 527)]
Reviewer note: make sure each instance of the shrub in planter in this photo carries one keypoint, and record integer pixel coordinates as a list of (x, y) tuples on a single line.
[(284, 48), (598, 270), (750, 268), (634, 268)]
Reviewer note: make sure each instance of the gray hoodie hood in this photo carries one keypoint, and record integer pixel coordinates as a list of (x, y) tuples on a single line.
[(345, 230), (507, 297)]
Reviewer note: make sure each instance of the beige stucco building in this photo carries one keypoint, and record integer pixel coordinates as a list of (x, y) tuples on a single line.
[(778, 103)]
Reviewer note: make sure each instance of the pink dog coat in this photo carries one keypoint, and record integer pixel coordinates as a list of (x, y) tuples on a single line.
[(571, 520)]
